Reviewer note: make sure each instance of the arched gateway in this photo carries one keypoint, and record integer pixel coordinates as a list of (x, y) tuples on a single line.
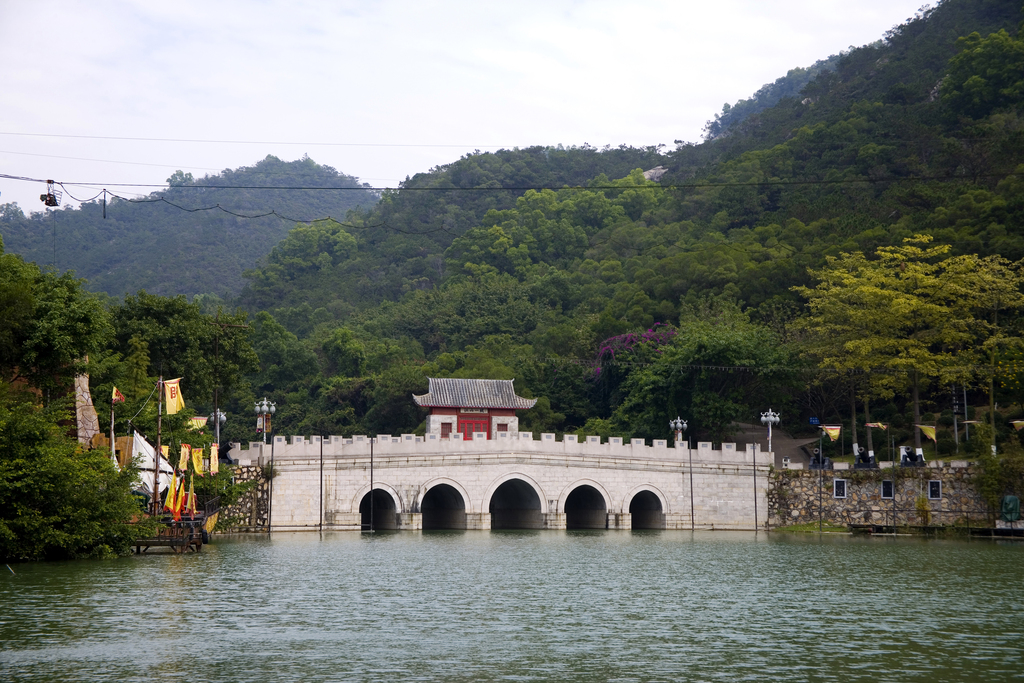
[(473, 469)]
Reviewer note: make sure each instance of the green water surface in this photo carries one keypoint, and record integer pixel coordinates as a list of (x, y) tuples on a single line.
[(524, 606)]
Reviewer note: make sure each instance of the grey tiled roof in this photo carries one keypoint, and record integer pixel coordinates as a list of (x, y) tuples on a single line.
[(472, 393)]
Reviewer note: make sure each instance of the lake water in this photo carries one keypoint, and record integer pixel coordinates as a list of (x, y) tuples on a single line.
[(524, 606)]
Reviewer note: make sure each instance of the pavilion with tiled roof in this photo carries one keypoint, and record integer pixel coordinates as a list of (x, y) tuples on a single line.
[(472, 406)]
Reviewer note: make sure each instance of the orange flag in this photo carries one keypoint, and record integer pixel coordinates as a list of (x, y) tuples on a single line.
[(179, 501)]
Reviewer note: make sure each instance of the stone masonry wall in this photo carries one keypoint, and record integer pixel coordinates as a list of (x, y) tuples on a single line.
[(799, 496), (250, 513)]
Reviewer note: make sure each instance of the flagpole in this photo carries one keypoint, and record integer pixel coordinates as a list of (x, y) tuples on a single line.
[(113, 455), (156, 461)]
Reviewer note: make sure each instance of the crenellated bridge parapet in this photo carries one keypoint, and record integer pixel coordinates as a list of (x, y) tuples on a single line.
[(512, 481)]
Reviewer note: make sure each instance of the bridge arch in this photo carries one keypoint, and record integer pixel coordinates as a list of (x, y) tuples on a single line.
[(442, 480), (378, 486), (646, 506), (387, 504), (515, 501), (645, 487), (584, 482), (443, 503), (586, 504)]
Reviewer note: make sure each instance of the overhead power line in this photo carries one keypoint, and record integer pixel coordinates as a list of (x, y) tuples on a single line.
[(251, 142), (525, 188)]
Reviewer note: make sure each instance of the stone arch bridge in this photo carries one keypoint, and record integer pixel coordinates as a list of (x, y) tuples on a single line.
[(512, 482)]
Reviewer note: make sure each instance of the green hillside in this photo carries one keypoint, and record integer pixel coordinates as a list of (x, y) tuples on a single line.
[(568, 287), (399, 245), (173, 242)]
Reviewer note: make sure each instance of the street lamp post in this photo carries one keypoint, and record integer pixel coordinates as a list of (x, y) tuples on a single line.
[(679, 426), (264, 409), (768, 419), (216, 418)]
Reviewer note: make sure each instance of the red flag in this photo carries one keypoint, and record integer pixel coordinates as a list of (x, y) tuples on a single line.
[(116, 397)]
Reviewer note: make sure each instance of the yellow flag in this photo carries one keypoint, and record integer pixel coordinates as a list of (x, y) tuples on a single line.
[(214, 458), (197, 459), (191, 505), (186, 450), (179, 501), (928, 431), (166, 452), (833, 432), (197, 423), (172, 396), (172, 492), (1017, 424)]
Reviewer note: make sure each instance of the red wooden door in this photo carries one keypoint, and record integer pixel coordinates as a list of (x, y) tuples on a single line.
[(468, 425)]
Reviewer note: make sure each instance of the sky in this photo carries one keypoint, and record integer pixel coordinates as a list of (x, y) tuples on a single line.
[(122, 94)]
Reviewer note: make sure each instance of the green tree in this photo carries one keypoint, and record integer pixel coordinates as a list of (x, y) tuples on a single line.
[(987, 74), (718, 369), (914, 314), (48, 325), (58, 501), (209, 352)]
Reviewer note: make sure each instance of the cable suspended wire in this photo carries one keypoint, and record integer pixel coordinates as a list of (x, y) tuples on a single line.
[(272, 212), (145, 403), (68, 193), (253, 142), (525, 188)]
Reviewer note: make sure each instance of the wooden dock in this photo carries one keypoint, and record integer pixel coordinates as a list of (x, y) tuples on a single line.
[(189, 533)]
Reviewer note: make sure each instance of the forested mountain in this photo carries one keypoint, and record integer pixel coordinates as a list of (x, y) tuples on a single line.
[(769, 95), (582, 286), (177, 241), (383, 252)]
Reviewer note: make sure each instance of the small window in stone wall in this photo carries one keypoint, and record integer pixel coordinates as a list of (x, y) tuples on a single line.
[(934, 489), (887, 489), (839, 488), (503, 427)]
